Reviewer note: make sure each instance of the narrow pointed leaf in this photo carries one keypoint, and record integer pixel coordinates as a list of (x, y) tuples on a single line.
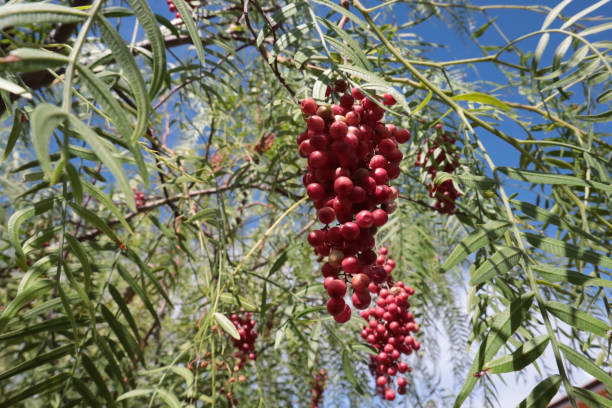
[(14, 135), (227, 325), (592, 399), (186, 15), (554, 179), (561, 248), (40, 388), (476, 240), (38, 361), (542, 393), (553, 274), (37, 13), (45, 119), (97, 378), (526, 354), (30, 293), (579, 360), (577, 318), (501, 262)]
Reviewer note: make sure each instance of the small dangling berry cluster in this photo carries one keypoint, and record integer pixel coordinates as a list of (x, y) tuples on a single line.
[(318, 384), (248, 334), (440, 156), (352, 156), (139, 198), (192, 3), (388, 330)]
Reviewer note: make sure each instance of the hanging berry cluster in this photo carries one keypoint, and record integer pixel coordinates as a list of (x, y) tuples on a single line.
[(192, 3), (319, 382), (139, 198), (388, 330), (352, 156), (440, 155), (246, 344)]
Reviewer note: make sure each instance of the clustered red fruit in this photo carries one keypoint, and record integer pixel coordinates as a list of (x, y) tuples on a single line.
[(192, 3), (441, 156), (319, 382), (139, 198), (246, 344), (351, 156), (388, 330)]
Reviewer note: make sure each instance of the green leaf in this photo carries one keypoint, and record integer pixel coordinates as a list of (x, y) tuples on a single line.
[(132, 73), (149, 25), (140, 392), (147, 271), (348, 371), (502, 326), (107, 202), (554, 179), (501, 262), (482, 99), (206, 214), (85, 393), (481, 30), (107, 101), (30, 293), (547, 217), (605, 96), (75, 181), (17, 15), (94, 140), (490, 231), (524, 355), (238, 301), (138, 290), (18, 218), (118, 298), (14, 135), (542, 393), (602, 117), (339, 9), (186, 16), (40, 388), (561, 248), (577, 318), (38, 361), (352, 44), (592, 399), (553, 274), (51, 325), (126, 340), (227, 325), (45, 119), (96, 221), (579, 360), (31, 60), (97, 378)]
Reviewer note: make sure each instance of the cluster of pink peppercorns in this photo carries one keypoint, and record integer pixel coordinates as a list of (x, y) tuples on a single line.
[(388, 330), (319, 382), (352, 156), (192, 3), (139, 198), (440, 155), (246, 344)]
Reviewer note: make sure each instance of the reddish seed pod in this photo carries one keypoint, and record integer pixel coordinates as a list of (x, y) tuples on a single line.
[(379, 217), (357, 94), (350, 231), (338, 130), (360, 282), (388, 100), (343, 186)]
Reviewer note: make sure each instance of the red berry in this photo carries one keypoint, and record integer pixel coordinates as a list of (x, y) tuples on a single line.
[(338, 130), (347, 101), (389, 394), (343, 186), (401, 135), (379, 175), (351, 265), (378, 161), (364, 219), (360, 282), (326, 215), (315, 191), (316, 238), (335, 306), (357, 94), (336, 288), (402, 367), (309, 106), (380, 217), (350, 231), (380, 381), (388, 99), (317, 159), (343, 316), (315, 123)]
